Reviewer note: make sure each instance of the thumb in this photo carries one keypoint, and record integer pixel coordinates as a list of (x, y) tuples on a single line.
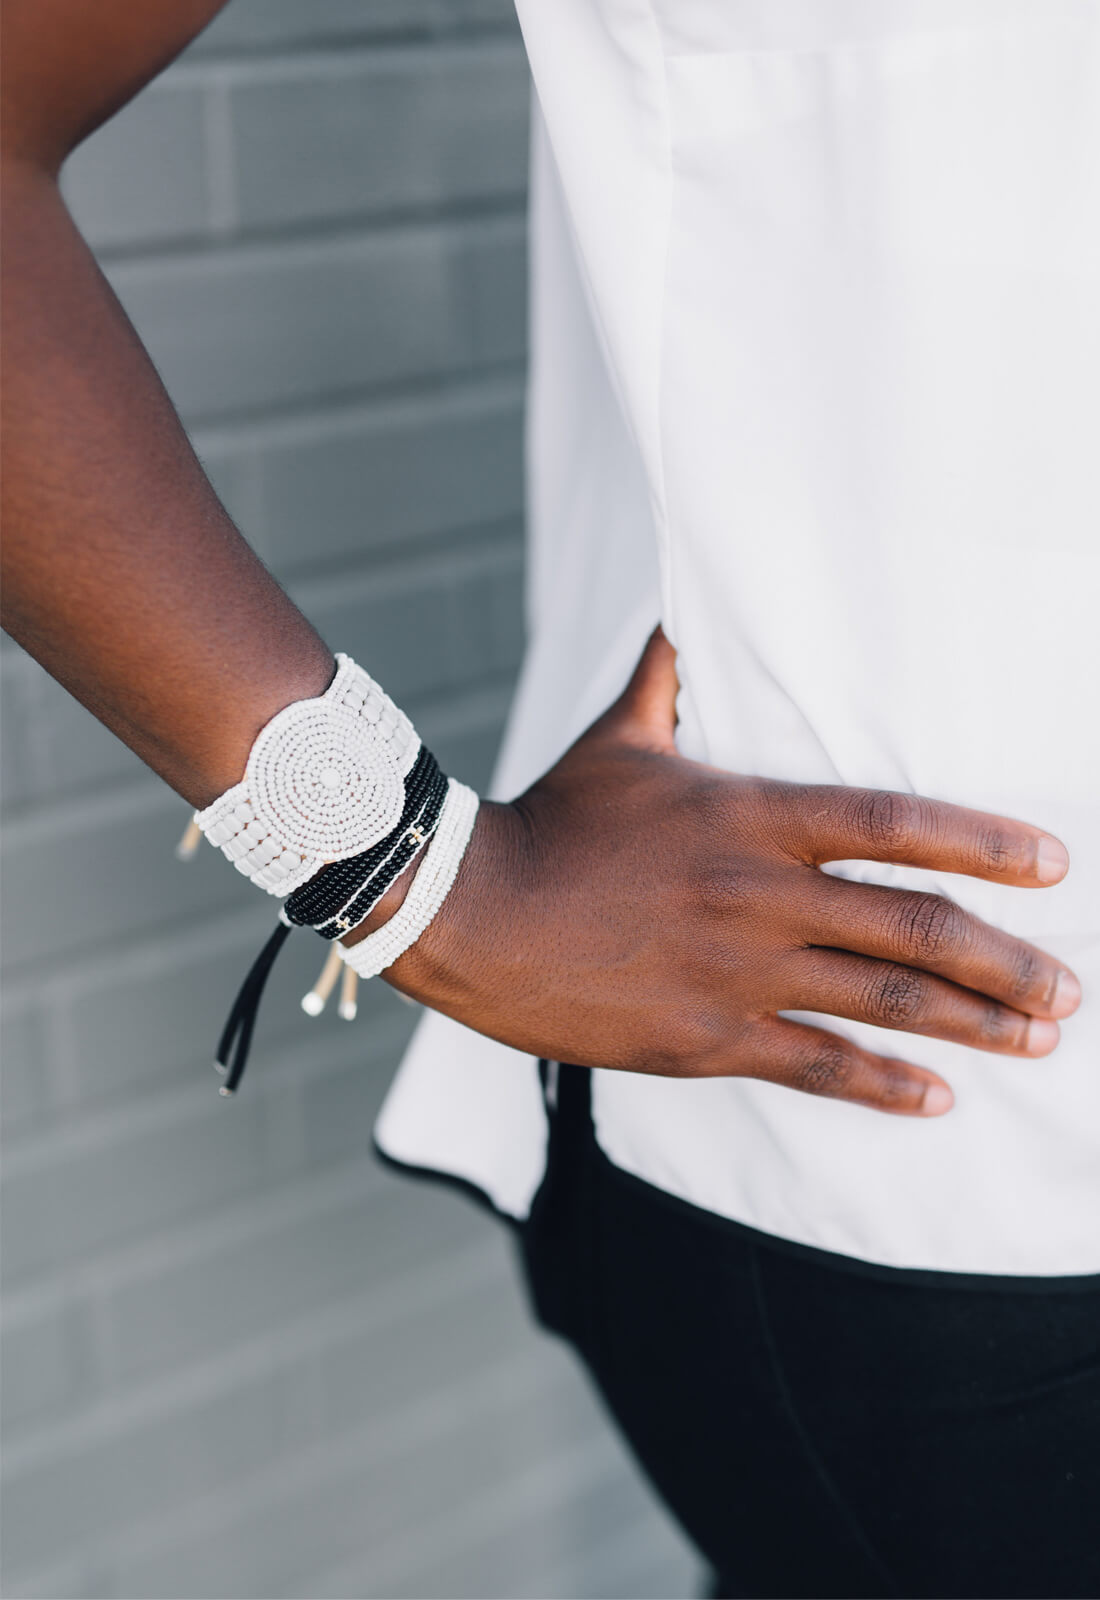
[(647, 706)]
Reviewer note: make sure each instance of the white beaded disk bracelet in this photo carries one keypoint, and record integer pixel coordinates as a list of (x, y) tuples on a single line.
[(325, 780), (338, 798)]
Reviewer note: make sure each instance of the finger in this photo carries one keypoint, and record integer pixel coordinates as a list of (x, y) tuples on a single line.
[(824, 823), (818, 1062), (648, 703), (933, 933), (894, 996)]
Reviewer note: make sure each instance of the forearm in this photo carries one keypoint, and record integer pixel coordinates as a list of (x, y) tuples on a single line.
[(122, 573)]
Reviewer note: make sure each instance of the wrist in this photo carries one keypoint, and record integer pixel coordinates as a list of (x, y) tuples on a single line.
[(440, 969), (346, 816)]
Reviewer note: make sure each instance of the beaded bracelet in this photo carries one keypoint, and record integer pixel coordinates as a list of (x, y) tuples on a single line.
[(325, 780), (341, 896), (325, 893), (339, 797), (428, 890)]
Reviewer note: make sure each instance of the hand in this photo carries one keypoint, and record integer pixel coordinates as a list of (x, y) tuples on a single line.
[(637, 910)]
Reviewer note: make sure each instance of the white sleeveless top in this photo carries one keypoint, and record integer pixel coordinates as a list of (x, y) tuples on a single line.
[(816, 340)]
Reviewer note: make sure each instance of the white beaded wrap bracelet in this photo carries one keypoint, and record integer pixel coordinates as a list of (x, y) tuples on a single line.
[(325, 780), (428, 890)]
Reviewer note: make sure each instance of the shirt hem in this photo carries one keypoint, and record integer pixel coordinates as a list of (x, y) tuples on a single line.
[(940, 1278)]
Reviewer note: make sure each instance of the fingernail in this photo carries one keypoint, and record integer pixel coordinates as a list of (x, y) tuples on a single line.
[(1051, 860), (937, 1099), (1042, 1036), (1067, 994)]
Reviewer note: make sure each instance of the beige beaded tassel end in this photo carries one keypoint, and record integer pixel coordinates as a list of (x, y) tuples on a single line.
[(349, 989), (189, 843), (313, 1003)]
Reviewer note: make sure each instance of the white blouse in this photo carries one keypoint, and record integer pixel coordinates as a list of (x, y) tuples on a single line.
[(816, 380)]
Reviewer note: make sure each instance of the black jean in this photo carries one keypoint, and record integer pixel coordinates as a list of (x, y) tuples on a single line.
[(819, 1429)]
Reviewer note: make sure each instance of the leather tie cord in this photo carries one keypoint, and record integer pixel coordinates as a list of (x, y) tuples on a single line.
[(237, 1033)]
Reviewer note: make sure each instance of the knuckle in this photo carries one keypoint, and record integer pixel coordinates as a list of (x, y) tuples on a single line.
[(894, 1088), (825, 1070), (777, 800), (721, 885), (897, 996), (884, 817), (933, 927), (995, 851), (999, 1027), (1027, 974), (710, 802), (691, 1042)]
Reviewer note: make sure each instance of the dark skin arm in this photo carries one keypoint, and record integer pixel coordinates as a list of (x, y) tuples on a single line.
[(122, 572), (633, 909)]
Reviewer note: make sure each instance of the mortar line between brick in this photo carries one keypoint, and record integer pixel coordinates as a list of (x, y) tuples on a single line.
[(422, 36), (443, 381), (366, 57), (193, 250), (494, 391)]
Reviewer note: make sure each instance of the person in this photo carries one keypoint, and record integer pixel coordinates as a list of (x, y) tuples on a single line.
[(815, 312)]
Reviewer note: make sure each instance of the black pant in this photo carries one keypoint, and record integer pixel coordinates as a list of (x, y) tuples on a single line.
[(819, 1429)]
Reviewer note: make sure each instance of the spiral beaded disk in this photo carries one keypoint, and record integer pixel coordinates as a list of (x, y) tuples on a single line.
[(325, 780), (320, 775)]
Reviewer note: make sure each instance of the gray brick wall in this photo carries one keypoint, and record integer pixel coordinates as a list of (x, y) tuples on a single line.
[(239, 1357)]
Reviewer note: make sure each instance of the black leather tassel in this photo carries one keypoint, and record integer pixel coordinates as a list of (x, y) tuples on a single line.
[(237, 1033)]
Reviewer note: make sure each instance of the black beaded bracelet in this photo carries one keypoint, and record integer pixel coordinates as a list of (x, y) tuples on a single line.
[(325, 896), (411, 842)]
